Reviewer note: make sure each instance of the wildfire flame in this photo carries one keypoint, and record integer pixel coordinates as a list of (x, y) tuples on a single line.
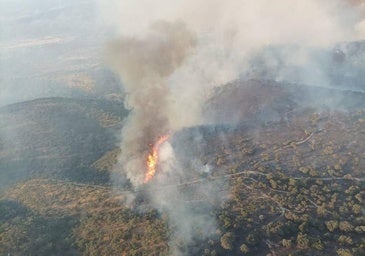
[(152, 158)]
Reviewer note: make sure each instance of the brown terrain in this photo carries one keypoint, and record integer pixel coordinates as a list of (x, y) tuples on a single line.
[(290, 168)]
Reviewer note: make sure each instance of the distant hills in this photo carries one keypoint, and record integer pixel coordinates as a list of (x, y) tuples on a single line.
[(260, 101)]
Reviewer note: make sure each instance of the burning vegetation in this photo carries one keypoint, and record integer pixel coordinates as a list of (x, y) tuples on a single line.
[(295, 187), (270, 166), (152, 158)]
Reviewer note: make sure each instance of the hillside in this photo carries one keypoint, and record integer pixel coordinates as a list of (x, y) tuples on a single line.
[(265, 101), (288, 185), (57, 137)]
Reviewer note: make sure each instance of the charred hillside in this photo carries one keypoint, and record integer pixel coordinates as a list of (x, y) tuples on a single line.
[(57, 137), (264, 101)]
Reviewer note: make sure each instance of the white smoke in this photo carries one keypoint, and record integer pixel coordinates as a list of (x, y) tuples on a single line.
[(198, 45), (144, 63), (229, 32)]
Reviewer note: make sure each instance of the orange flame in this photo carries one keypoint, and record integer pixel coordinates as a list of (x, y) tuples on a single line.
[(152, 158)]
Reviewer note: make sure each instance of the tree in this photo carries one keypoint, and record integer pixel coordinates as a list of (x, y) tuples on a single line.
[(252, 239), (345, 240), (356, 208), (302, 241), (345, 226), (227, 240), (244, 248), (286, 243), (344, 252), (331, 225)]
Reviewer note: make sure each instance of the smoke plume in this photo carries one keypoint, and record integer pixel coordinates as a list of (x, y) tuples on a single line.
[(170, 56), (144, 65), (231, 34)]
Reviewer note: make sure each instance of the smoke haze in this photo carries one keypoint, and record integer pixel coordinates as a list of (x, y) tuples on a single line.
[(230, 34), (170, 55)]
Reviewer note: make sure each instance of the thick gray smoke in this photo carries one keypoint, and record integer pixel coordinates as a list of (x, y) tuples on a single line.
[(144, 65), (169, 69), (230, 34)]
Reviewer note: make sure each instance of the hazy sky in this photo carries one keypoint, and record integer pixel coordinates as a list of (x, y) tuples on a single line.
[(44, 42)]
